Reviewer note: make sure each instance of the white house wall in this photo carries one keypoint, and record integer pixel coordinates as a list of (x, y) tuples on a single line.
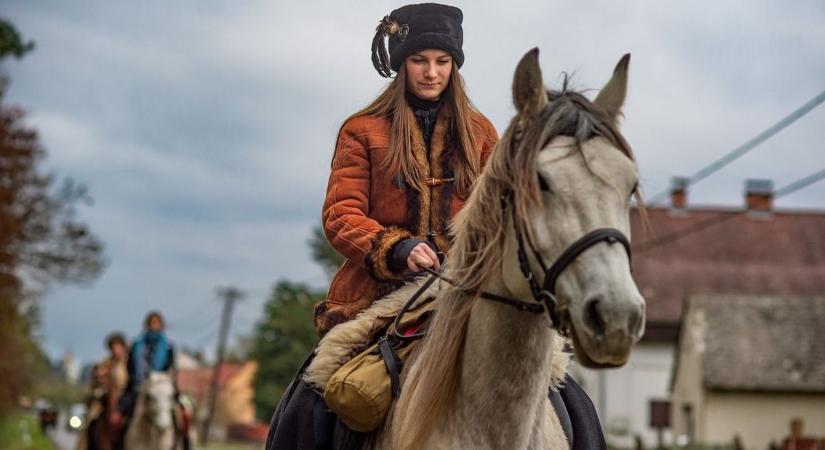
[(760, 418), (687, 387), (624, 407)]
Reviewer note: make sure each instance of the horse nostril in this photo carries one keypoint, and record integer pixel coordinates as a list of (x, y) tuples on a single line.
[(635, 322), (593, 317)]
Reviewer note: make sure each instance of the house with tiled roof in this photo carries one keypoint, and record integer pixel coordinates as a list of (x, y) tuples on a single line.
[(684, 250), (234, 402), (748, 366)]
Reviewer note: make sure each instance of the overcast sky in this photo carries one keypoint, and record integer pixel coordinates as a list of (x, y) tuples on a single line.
[(204, 129)]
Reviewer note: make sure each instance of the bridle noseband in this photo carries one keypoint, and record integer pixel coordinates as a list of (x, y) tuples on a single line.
[(545, 294)]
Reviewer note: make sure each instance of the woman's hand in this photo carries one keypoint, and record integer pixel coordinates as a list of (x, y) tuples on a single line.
[(422, 256)]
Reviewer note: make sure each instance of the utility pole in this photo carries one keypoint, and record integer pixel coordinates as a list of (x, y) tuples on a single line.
[(229, 295)]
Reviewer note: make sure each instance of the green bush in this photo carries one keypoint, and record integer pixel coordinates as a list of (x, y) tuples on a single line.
[(20, 431)]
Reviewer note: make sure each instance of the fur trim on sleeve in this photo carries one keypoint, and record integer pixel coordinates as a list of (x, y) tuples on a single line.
[(378, 258)]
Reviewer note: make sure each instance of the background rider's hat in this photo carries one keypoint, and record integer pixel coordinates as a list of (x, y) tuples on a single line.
[(414, 28)]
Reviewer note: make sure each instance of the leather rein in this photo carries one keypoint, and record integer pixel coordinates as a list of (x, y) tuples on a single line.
[(544, 294)]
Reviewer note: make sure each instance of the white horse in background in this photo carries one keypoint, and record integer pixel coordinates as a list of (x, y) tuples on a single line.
[(152, 426)]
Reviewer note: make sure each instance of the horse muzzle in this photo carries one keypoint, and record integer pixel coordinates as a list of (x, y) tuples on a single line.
[(163, 421), (604, 329)]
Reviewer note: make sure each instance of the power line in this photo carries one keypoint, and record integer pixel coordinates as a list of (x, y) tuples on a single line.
[(204, 338), (800, 184), (674, 236), (196, 319), (746, 147)]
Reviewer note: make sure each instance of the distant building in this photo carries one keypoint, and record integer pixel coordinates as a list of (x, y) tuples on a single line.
[(234, 403), (748, 366), (70, 367), (186, 359), (752, 250)]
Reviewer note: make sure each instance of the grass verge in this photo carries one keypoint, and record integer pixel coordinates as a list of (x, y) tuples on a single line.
[(230, 446), (20, 431)]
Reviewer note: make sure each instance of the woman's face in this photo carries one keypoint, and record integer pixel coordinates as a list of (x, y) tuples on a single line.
[(118, 350), (428, 73), (155, 324)]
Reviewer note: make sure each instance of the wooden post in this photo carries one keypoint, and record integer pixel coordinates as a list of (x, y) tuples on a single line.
[(229, 295)]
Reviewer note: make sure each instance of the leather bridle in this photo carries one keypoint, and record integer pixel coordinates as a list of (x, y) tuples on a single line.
[(545, 294)]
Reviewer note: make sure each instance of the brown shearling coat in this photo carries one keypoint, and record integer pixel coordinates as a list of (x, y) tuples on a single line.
[(368, 210)]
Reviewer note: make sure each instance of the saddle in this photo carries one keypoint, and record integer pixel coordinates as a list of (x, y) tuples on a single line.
[(357, 365), (359, 384)]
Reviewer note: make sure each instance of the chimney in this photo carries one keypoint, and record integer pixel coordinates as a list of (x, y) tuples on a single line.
[(759, 195), (678, 192)]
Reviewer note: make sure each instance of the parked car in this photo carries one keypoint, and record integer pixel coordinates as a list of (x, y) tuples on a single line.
[(46, 414)]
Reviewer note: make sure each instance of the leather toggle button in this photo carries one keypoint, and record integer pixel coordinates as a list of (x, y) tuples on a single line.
[(432, 182)]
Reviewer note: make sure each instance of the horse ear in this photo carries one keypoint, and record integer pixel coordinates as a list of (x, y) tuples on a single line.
[(611, 97), (529, 96)]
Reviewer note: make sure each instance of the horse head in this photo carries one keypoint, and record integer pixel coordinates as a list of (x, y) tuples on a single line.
[(572, 178), (158, 396)]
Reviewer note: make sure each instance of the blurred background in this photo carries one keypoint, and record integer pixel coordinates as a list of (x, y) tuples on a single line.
[(173, 156)]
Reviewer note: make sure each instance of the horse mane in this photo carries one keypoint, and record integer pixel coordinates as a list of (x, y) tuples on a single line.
[(479, 232)]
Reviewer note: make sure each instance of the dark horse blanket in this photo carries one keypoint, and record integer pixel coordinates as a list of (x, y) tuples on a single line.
[(302, 420)]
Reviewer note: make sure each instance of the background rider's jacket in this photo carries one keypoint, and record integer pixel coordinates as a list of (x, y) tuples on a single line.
[(144, 357), (368, 210)]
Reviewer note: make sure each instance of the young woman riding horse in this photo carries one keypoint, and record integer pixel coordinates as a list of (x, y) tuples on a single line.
[(402, 168), (403, 165)]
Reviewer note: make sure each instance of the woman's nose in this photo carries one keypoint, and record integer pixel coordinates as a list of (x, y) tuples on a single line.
[(430, 72)]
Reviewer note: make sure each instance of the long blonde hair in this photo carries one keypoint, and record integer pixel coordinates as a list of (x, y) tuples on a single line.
[(392, 104)]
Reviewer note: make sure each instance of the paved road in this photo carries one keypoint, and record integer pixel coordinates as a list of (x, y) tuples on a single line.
[(62, 438)]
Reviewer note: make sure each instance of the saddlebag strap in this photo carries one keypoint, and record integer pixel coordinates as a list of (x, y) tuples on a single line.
[(393, 365)]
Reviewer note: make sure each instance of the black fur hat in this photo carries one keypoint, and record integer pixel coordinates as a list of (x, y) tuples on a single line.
[(413, 28)]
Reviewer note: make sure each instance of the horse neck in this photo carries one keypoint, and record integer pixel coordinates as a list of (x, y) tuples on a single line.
[(506, 371)]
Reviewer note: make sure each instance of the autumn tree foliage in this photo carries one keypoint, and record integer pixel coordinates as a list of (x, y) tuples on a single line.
[(41, 239)]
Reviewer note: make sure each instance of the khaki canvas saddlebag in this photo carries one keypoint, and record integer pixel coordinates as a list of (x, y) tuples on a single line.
[(361, 392)]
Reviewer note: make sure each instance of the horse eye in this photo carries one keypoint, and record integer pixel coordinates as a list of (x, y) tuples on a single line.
[(634, 190), (543, 184)]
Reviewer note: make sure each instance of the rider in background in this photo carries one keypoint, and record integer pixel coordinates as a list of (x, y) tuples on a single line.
[(107, 385), (151, 352)]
